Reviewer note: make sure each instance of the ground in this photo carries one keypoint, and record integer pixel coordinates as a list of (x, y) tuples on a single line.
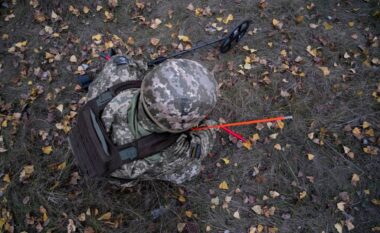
[(315, 60)]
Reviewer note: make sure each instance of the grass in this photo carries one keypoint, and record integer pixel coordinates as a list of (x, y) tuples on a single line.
[(323, 105)]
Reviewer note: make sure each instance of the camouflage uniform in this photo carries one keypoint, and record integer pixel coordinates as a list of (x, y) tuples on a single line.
[(126, 119)]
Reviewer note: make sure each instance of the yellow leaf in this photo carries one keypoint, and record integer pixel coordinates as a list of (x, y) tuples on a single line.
[(338, 227), (45, 217), (375, 201), (283, 53), (311, 51), (6, 179), (277, 146), (4, 124), (310, 156), (357, 132), (184, 38), (366, 124), (223, 185), (189, 213), (226, 160), (280, 124), (61, 166), (26, 172), (21, 44), (98, 8), (370, 133), (247, 144), (327, 26), (47, 150), (198, 11), (302, 195), (105, 216), (325, 70), (181, 199), (260, 228), (255, 137), (109, 44), (97, 37), (351, 23), (228, 19)]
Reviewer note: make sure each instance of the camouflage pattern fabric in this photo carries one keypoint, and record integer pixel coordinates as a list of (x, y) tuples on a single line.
[(126, 120), (113, 74), (178, 94)]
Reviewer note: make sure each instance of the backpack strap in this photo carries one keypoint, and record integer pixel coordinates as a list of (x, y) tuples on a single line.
[(139, 149)]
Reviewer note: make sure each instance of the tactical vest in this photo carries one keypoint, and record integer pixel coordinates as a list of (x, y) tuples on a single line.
[(93, 149)]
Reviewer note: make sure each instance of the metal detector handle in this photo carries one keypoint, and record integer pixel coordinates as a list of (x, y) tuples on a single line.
[(157, 61), (235, 36)]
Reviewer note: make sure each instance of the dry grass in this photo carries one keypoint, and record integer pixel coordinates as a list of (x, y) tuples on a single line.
[(316, 102)]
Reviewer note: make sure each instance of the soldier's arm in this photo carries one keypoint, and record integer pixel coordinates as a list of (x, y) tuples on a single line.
[(182, 161)]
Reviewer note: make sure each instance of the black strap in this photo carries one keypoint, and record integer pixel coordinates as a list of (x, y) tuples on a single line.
[(138, 149)]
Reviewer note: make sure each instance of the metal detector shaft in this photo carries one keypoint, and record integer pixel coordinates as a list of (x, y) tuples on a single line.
[(227, 43)]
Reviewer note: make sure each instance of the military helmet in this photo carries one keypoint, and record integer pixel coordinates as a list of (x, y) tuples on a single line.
[(178, 94)]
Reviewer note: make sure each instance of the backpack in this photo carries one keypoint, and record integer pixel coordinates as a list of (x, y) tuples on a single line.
[(95, 153)]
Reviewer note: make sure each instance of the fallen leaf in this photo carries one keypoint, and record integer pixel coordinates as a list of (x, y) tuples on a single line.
[(338, 227), (215, 201), (277, 146), (228, 19), (325, 70), (181, 199), (340, 205), (71, 226), (86, 9), (97, 38), (327, 26), (277, 24), (236, 214), (302, 195), (226, 160), (311, 51), (310, 156), (6, 178), (349, 225), (355, 179), (223, 185), (189, 213), (247, 144), (47, 150), (181, 227), (26, 172), (274, 194), (105, 217), (375, 201), (154, 41), (155, 22), (257, 209), (184, 38)]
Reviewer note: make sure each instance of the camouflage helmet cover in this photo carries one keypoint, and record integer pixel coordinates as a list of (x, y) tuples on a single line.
[(178, 94)]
